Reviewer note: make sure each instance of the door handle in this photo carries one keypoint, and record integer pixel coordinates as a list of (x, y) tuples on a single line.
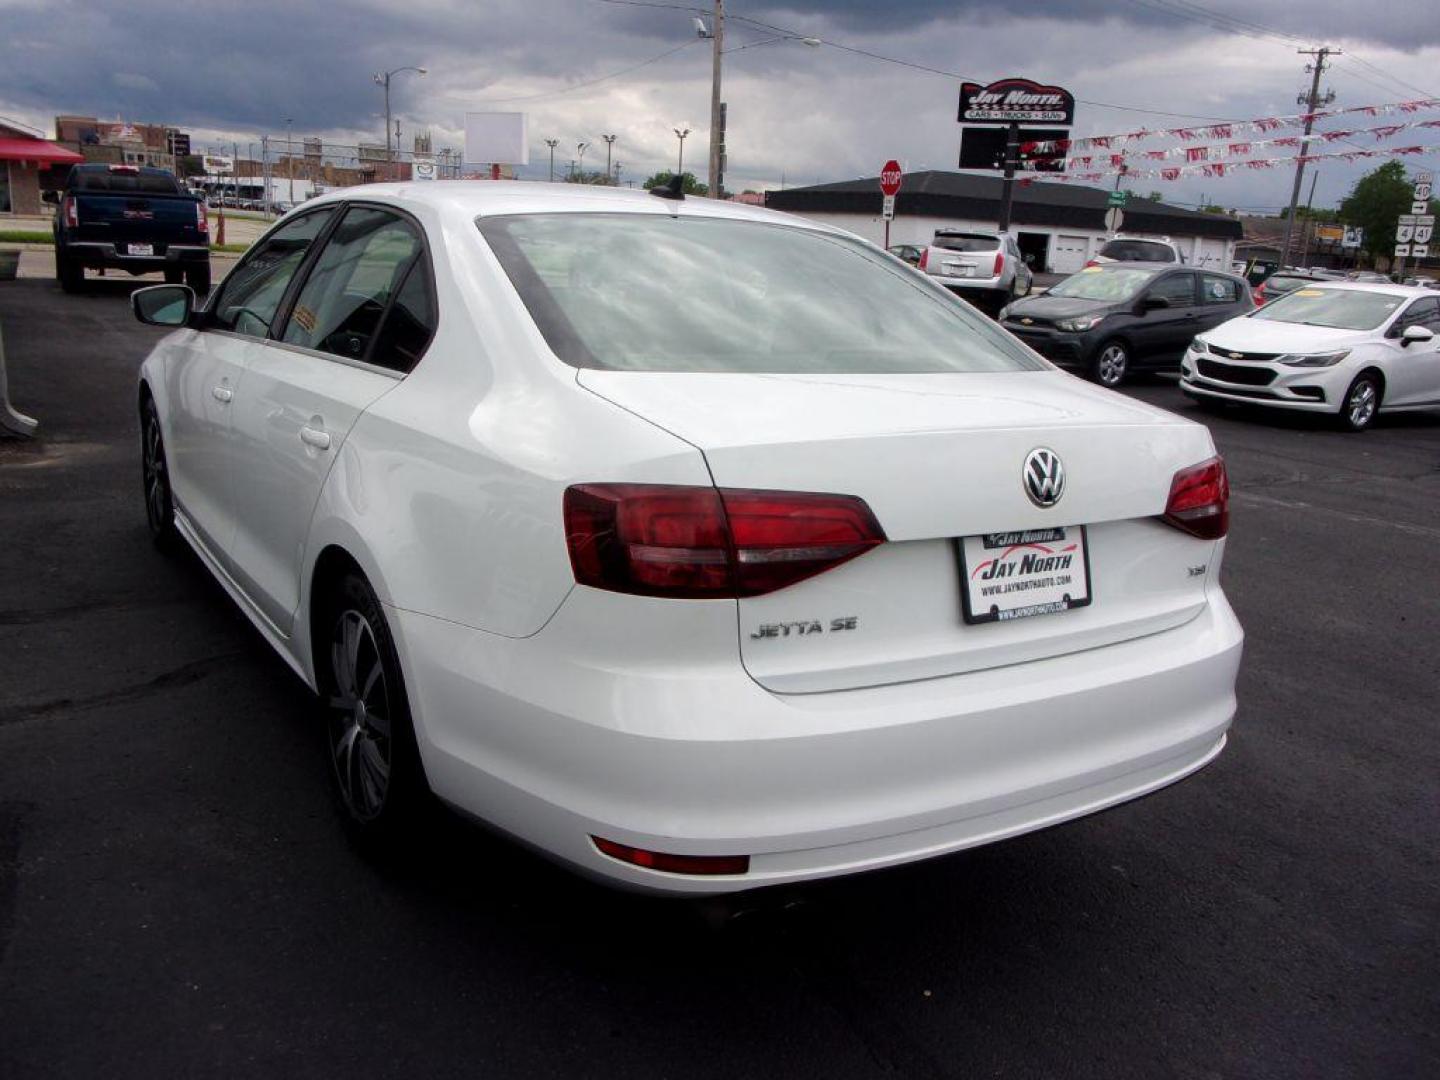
[(221, 393), (315, 437)]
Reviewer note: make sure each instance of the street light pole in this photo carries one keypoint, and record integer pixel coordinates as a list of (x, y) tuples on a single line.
[(581, 147), (383, 79), (552, 143), (609, 144), (717, 136), (680, 164)]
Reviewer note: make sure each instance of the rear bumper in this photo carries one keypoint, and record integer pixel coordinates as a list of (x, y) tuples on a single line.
[(533, 738), (95, 254)]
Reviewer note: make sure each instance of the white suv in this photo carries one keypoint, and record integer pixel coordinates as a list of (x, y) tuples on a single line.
[(1139, 249), (984, 267)]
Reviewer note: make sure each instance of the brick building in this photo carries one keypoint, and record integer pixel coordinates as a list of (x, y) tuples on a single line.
[(23, 157)]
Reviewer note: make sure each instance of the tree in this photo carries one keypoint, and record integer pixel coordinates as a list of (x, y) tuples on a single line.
[(689, 184), (1376, 200)]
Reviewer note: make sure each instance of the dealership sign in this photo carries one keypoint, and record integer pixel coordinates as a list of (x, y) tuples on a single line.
[(1015, 101), (218, 164)]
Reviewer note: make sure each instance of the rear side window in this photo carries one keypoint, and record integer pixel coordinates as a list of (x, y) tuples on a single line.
[(1219, 290), (251, 294), (1179, 289), (362, 266), (967, 242), (1137, 251), (127, 183), (410, 323)]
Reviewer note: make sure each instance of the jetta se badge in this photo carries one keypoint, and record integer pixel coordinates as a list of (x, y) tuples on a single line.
[(1043, 477)]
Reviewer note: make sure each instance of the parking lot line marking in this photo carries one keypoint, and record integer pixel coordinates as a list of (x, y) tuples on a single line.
[(1359, 519)]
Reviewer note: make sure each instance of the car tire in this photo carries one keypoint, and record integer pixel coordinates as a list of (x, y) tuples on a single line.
[(69, 273), (155, 480), (174, 276), (1361, 403), (1111, 363), (375, 771), (198, 278)]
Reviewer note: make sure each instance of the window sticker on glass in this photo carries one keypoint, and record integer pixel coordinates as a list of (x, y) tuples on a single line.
[(1090, 270), (305, 319), (1309, 292)]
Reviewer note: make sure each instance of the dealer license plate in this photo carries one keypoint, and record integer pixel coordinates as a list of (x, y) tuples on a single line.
[(959, 269), (1014, 575), (142, 249)]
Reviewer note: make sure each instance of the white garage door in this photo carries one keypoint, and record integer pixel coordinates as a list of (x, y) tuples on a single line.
[(1212, 254), (1070, 254)]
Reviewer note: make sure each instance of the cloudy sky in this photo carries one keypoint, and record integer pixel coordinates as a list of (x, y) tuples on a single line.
[(798, 114)]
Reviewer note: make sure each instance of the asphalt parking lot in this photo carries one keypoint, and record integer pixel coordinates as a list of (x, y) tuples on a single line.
[(176, 897)]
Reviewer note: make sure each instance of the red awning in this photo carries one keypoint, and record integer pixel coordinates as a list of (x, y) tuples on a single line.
[(37, 150)]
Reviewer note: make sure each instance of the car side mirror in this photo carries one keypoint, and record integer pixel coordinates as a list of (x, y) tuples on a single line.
[(163, 305), (1154, 302), (1415, 334)]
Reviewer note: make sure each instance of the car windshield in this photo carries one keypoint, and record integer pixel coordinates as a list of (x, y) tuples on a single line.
[(966, 242), (1104, 283), (662, 292), (1341, 309), (1137, 251)]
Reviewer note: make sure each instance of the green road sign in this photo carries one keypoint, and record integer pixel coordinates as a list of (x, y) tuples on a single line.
[(1118, 198)]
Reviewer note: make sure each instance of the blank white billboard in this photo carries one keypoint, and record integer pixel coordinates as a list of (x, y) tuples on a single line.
[(496, 138)]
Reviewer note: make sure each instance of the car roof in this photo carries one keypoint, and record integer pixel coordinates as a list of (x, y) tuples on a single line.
[(487, 198)]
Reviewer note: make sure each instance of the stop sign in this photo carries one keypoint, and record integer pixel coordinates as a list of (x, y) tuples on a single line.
[(890, 178)]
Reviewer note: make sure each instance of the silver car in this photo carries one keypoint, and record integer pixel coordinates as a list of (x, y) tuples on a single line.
[(985, 268)]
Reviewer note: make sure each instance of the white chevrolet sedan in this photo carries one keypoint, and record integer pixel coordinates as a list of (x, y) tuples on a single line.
[(1347, 350), (700, 547)]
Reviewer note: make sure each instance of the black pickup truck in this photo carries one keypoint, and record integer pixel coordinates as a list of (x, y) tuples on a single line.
[(126, 217)]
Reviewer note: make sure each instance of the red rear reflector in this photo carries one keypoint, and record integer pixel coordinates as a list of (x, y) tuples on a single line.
[(72, 212), (999, 263), (202, 220), (674, 864), (702, 542), (1199, 500), (1092, 262), (924, 258)]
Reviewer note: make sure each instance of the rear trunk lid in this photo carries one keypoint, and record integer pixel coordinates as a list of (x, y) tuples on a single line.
[(939, 457), (138, 218)]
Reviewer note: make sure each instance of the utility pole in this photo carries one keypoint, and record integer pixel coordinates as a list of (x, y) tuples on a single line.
[(609, 144), (1312, 101), (289, 158), (680, 164), (1309, 231), (1007, 185), (552, 143), (581, 147), (717, 111)]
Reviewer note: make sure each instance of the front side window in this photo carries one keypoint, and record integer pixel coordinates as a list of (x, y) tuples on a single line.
[(251, 294), (362, 265), (656, 292), (1219, 290), (1179, 289)]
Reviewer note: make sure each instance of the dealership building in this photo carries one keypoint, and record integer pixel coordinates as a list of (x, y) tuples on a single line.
[(1059, 225)]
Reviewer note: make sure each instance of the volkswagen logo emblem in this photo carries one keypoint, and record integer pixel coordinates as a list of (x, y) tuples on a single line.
[(1044, 477)]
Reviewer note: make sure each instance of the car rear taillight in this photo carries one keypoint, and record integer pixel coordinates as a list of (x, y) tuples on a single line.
[(72, 212), (709, 543), (999, 263), (1258, 295), (924, 258), (1199, 500), (202, 220), (674, 864)]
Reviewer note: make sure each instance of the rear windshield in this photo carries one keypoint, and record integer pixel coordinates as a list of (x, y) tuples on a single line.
[(656, 292), (1137, 251), (1105, 283), (1342, 309), (127, 183), (967, 242)]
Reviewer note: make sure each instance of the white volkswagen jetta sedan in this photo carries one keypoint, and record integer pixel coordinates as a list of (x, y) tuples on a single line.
[(701, 547), (1347, 350)]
